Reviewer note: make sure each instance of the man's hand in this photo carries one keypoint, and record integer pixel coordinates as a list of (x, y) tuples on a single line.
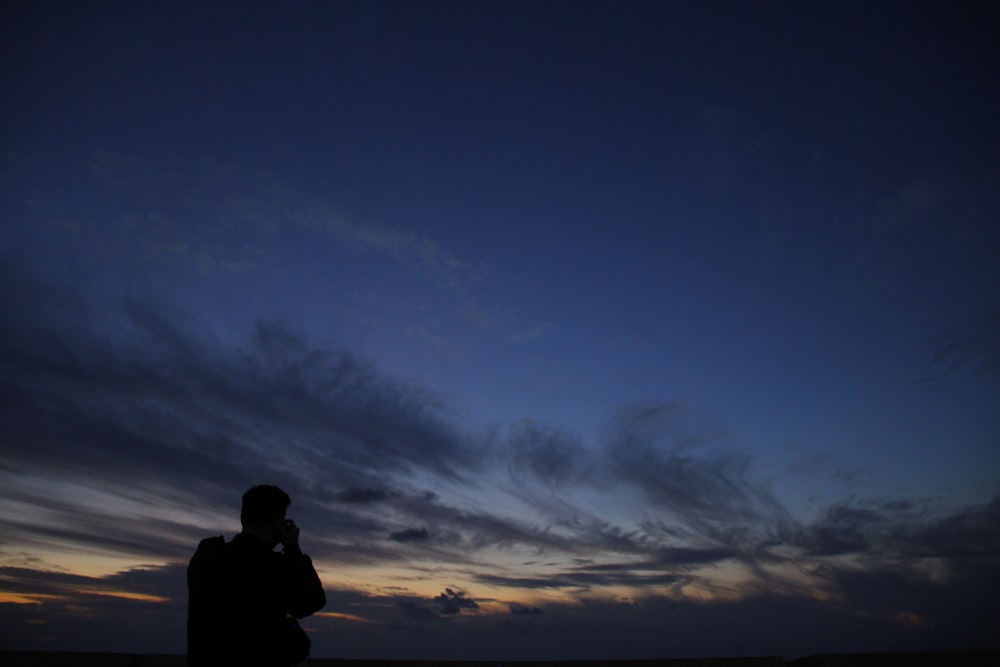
[(290, 535)]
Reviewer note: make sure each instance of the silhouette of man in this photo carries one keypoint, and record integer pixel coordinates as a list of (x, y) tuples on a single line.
[(244, 597)]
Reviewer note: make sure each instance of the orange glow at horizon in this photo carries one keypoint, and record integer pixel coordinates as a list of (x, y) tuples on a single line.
[(343, 617), (40, 598), (126, 595), (7, 597)]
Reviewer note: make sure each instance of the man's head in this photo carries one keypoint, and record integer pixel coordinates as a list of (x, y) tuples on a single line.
[(263, 512)]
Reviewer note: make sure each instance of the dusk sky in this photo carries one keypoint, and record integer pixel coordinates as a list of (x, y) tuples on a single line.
[(573, 329)]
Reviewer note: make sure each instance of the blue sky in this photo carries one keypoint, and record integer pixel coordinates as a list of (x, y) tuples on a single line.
[(559, 321)]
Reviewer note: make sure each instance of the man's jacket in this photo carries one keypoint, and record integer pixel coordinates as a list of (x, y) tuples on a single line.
[(240, 595)]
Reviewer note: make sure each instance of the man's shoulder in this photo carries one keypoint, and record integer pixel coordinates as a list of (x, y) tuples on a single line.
[(210, 548), (210, 544)]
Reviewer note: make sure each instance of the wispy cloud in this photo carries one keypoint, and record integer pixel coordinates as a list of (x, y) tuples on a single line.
[(974, 347), (532, 332), (410, 535), (223, 206), (170, 221)]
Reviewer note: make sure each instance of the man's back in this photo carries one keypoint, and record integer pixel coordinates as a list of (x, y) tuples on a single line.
[(240, 596)]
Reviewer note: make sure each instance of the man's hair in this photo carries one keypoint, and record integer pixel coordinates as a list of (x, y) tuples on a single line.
[(262, 504)]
